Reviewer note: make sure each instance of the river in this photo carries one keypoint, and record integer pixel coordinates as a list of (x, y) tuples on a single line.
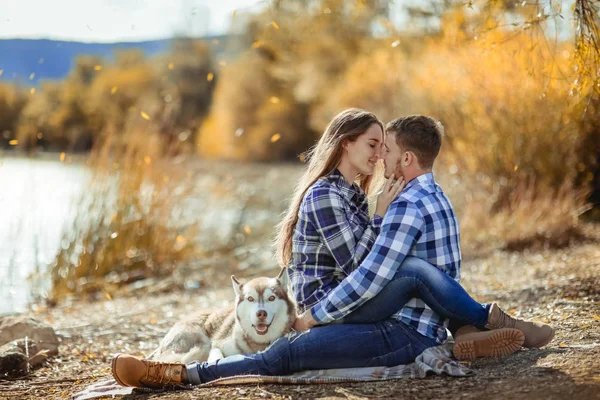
[(36, 198)]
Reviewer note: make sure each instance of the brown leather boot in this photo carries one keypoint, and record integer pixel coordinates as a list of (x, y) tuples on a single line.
[(470, 342), (134, 371), (537, 334)]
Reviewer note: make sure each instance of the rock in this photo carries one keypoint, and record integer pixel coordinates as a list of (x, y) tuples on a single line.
[(19, 327), (25, 342), (13, 361)]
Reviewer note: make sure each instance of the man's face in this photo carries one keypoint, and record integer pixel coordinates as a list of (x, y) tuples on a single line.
[(392, 154)]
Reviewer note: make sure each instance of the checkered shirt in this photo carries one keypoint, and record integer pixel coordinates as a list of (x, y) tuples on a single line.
[(419, 223), (333, 235)]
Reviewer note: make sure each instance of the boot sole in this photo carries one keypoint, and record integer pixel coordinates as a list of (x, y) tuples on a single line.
[(113, 366), (498, 344)]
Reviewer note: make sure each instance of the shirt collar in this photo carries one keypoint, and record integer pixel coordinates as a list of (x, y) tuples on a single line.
[(421, 179), (353, 193)]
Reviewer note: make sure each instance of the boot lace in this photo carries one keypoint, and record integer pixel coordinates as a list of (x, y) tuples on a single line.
[(161, 373)]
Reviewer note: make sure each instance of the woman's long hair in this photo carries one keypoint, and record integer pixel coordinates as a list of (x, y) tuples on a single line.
[(322, 159)]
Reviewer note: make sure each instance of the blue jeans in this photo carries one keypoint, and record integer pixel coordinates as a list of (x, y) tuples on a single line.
[(417, 278), (385, 343), (366, 338)]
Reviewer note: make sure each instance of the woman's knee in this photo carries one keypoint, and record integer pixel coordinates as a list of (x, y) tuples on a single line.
[(419, 269)]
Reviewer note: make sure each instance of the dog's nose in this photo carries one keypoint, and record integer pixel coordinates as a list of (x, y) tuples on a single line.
[(261, 314)]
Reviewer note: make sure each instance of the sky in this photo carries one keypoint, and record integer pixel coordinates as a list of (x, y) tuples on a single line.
[(117, 20), (131, 20)]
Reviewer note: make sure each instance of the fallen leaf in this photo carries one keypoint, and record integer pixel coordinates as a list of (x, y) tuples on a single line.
[(145, 116), (596, 317), (247, 230), (275, 137), (275, 25)]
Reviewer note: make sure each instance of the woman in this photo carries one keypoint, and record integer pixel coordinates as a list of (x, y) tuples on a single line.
[(326, 234)]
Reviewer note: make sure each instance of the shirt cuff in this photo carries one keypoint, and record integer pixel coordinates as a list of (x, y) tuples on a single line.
[(376, 221), (319, 315)]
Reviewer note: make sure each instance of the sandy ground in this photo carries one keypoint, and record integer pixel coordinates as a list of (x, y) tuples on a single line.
[(560, 286)]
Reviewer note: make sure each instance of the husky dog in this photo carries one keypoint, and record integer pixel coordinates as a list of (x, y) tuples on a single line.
[(263, 312)]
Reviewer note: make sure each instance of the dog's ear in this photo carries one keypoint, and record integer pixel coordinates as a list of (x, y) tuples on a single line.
[(283, 278), (237, 286)]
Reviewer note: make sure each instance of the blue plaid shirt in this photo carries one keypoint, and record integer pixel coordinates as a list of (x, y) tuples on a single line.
[(332, 237), (419, 223)]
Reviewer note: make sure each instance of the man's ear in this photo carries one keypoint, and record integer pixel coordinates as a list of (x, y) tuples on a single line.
[(283, 278), (237, 286), (408, 158)]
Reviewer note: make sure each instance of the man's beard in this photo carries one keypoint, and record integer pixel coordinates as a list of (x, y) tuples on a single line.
[(396, 172)]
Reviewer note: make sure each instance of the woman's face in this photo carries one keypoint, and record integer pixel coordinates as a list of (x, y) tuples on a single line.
[(365, 151)]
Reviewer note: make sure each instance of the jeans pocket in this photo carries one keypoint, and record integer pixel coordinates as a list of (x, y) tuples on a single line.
[(403, 355)]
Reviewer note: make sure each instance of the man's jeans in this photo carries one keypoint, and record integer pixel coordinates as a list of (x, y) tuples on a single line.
[(417, 278), (367, 337)]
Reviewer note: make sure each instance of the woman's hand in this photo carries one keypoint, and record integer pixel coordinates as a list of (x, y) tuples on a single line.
[(390, 191), (304, 322)]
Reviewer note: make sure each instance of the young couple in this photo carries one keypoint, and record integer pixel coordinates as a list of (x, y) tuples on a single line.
[(373, 291)]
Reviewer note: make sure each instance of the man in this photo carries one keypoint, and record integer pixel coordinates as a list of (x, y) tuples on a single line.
[(417, 254)]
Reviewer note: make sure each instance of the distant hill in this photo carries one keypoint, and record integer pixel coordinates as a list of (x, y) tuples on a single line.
[(53, 59)]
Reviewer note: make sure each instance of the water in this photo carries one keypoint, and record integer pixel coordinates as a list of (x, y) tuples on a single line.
[(36, 202), (38, 199)]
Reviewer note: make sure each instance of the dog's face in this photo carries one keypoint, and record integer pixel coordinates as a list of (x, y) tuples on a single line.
[(264, 309)]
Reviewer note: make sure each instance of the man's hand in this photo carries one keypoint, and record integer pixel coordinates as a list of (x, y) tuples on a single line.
[(304, 322)]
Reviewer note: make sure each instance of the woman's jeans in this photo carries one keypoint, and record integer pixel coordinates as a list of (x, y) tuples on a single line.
[(367, 338), (385, 343)]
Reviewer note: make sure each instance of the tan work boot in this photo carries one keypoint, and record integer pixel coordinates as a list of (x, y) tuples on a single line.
[(537, 334), (470, 342), (134, 371)]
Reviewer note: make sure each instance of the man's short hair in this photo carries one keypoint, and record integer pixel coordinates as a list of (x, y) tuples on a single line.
[(420, 134)]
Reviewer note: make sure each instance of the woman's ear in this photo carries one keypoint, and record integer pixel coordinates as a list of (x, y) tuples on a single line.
[(345, 144)]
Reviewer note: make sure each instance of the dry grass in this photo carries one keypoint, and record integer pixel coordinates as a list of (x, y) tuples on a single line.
[(127, 225)]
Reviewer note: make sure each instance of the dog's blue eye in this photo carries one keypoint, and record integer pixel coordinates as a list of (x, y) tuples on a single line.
[(250, 298), (272, 298)]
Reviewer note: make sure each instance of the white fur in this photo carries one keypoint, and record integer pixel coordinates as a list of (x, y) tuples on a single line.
[(233, 332)]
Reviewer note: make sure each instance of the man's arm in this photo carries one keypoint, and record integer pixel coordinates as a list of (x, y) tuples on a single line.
[(402, 227), (325, 209)]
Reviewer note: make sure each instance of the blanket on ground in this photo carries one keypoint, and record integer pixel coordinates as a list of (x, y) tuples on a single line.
[(435, 360)]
